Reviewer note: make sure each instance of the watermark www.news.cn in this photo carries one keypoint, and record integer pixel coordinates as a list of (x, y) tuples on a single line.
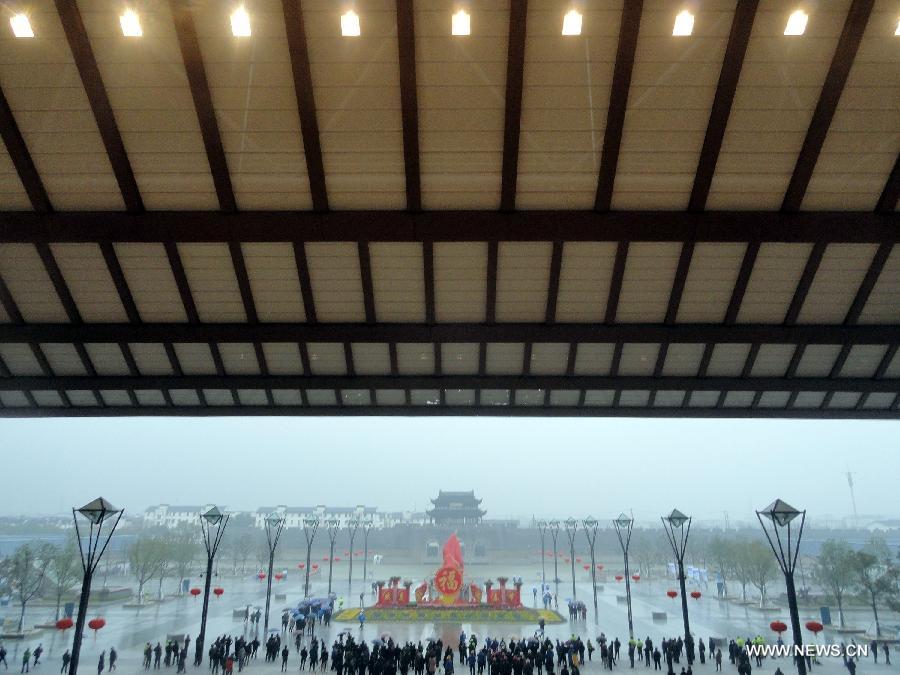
[(811, 651)]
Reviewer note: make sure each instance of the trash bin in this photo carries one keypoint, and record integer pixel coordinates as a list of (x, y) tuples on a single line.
[(69, 609)]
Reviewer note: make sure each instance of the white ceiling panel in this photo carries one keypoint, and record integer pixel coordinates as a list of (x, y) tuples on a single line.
[(213, 282), (87, 277), (19, 359), (647, 284), (460, 281), (107, 358), (772, 360), (710, 282), (882, 306), (584, 280), (371, 358), (523, 276), (327, 358), (565, 397), (336, 282), (390, 397), (683, 359), (283, 358), (12, 193), (638, 359), (505, 358), (151, 359), (14, 399), (459, 358), (728, 360), (459, 397), (415, 358), (195, 358), (817, 360), (239, 358), (29, 284), (287, 397), (863, 361), (837, 280), (594, 358), (63, 359), (151, 282), (398, 282), (549, 358)]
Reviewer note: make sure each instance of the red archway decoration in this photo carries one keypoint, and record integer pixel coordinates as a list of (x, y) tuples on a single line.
[(672, 594), (195, 592), (65, 623), (778, 626), (696, 595), (96, 624), (814, 626), (217, 591)]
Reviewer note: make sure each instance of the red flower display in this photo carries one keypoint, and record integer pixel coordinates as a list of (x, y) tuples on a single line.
[(96, 624), (778, 626), (65, 623)]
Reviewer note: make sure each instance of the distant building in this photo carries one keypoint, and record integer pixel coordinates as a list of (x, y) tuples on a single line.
[(294, 515), (166, 515), (456, 508)]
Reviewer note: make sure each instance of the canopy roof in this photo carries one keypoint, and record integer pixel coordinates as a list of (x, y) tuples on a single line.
[(407, 222)]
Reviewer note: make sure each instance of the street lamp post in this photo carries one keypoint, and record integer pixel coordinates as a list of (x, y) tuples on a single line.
[(571, 528), (334, 526), (786, 550), (97, 512), (274, 526), (212, 525), (677, 534), (624, 525), (542, 528), (310, 526), (367, 527), (590, 531), (352, 527), (554, 532)]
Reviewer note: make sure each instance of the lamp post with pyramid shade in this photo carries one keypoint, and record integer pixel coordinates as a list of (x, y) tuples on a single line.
[(785, 542), (310, 525), (553, 526), (334, 526), (352, 527), (571, 528), (623, 530), (677, 534), (274, 526), (97, 514), (590, 531), (212, 525)]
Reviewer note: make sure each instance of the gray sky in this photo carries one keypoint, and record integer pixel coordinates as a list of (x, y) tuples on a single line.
[(552, 467)]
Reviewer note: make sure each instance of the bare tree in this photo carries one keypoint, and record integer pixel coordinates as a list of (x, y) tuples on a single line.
[(65, 570), (145, 556), (834, 571), (25, 572), (183, 550), (761, 567)]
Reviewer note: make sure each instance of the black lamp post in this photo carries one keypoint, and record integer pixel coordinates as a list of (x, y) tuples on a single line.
[(352, 527), (571, 528), (333, 528), (590, 531), (553, 525), (96, 513), (310, 525), (677, 534), (542, 528), (212, 525), (367, 527), (624, 525), (274, 526), (786, 549)]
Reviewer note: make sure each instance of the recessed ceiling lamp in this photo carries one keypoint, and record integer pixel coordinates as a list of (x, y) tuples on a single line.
[(131, 24), (350, 24), (796, 24), (684, 24), (21, 26), (240, 22), (460, 23), (572, 23)]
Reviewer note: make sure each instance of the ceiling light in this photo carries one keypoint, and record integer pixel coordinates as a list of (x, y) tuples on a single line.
[(897, 30), (350, 24), (572, 23), (796, 24), (240, 22), (461, 23), (21, 26), (131, 24), (684, 24)]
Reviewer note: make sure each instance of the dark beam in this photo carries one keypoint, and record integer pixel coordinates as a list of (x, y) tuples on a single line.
[(553, 286), (681, 272), (21, 158), (365, 274), (491, 292), (409, 106), (868, 283), (887, 203), (206, 114), (618, 102), (181, 281), (77, 36), (306, 292), (806, 279), (428, 265), (306, 102), (848, 44), (450, 332), (59, 284), (615, 285), (243, 280), (118, 277), (515, 72), (9, 304), (741, 26), (450, 382), (403, 226)]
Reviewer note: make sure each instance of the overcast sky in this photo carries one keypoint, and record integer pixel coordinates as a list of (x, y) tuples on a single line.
[(550, 467)]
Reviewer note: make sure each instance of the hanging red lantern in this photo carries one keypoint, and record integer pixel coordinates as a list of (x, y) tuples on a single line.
[(96, 624), (337, 560), (278, 576), (778, 626), (672, 594), (599, 567), (301, 565), (315, 566), (587, 567), (218, 591), (325, 559), (696, 595), (814, 626), (261, 576), (65, 623), (578, 560), (619, 577), (195, 592), (567, 559), (636, 577)]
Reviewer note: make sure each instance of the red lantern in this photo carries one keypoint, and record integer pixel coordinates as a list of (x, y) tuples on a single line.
[(778, 626), (195, 592), (599, 567), (636, 577), (218, 591), (337, 560), (567, 559), (587, 567), (315, 566), (358, 553), (578, 560), (96, 624), (814, 626), (278, 576), (261, 576), (65, 623), (301, 565), (325, 559), (672, 594), (696, 595), (619, 577)]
